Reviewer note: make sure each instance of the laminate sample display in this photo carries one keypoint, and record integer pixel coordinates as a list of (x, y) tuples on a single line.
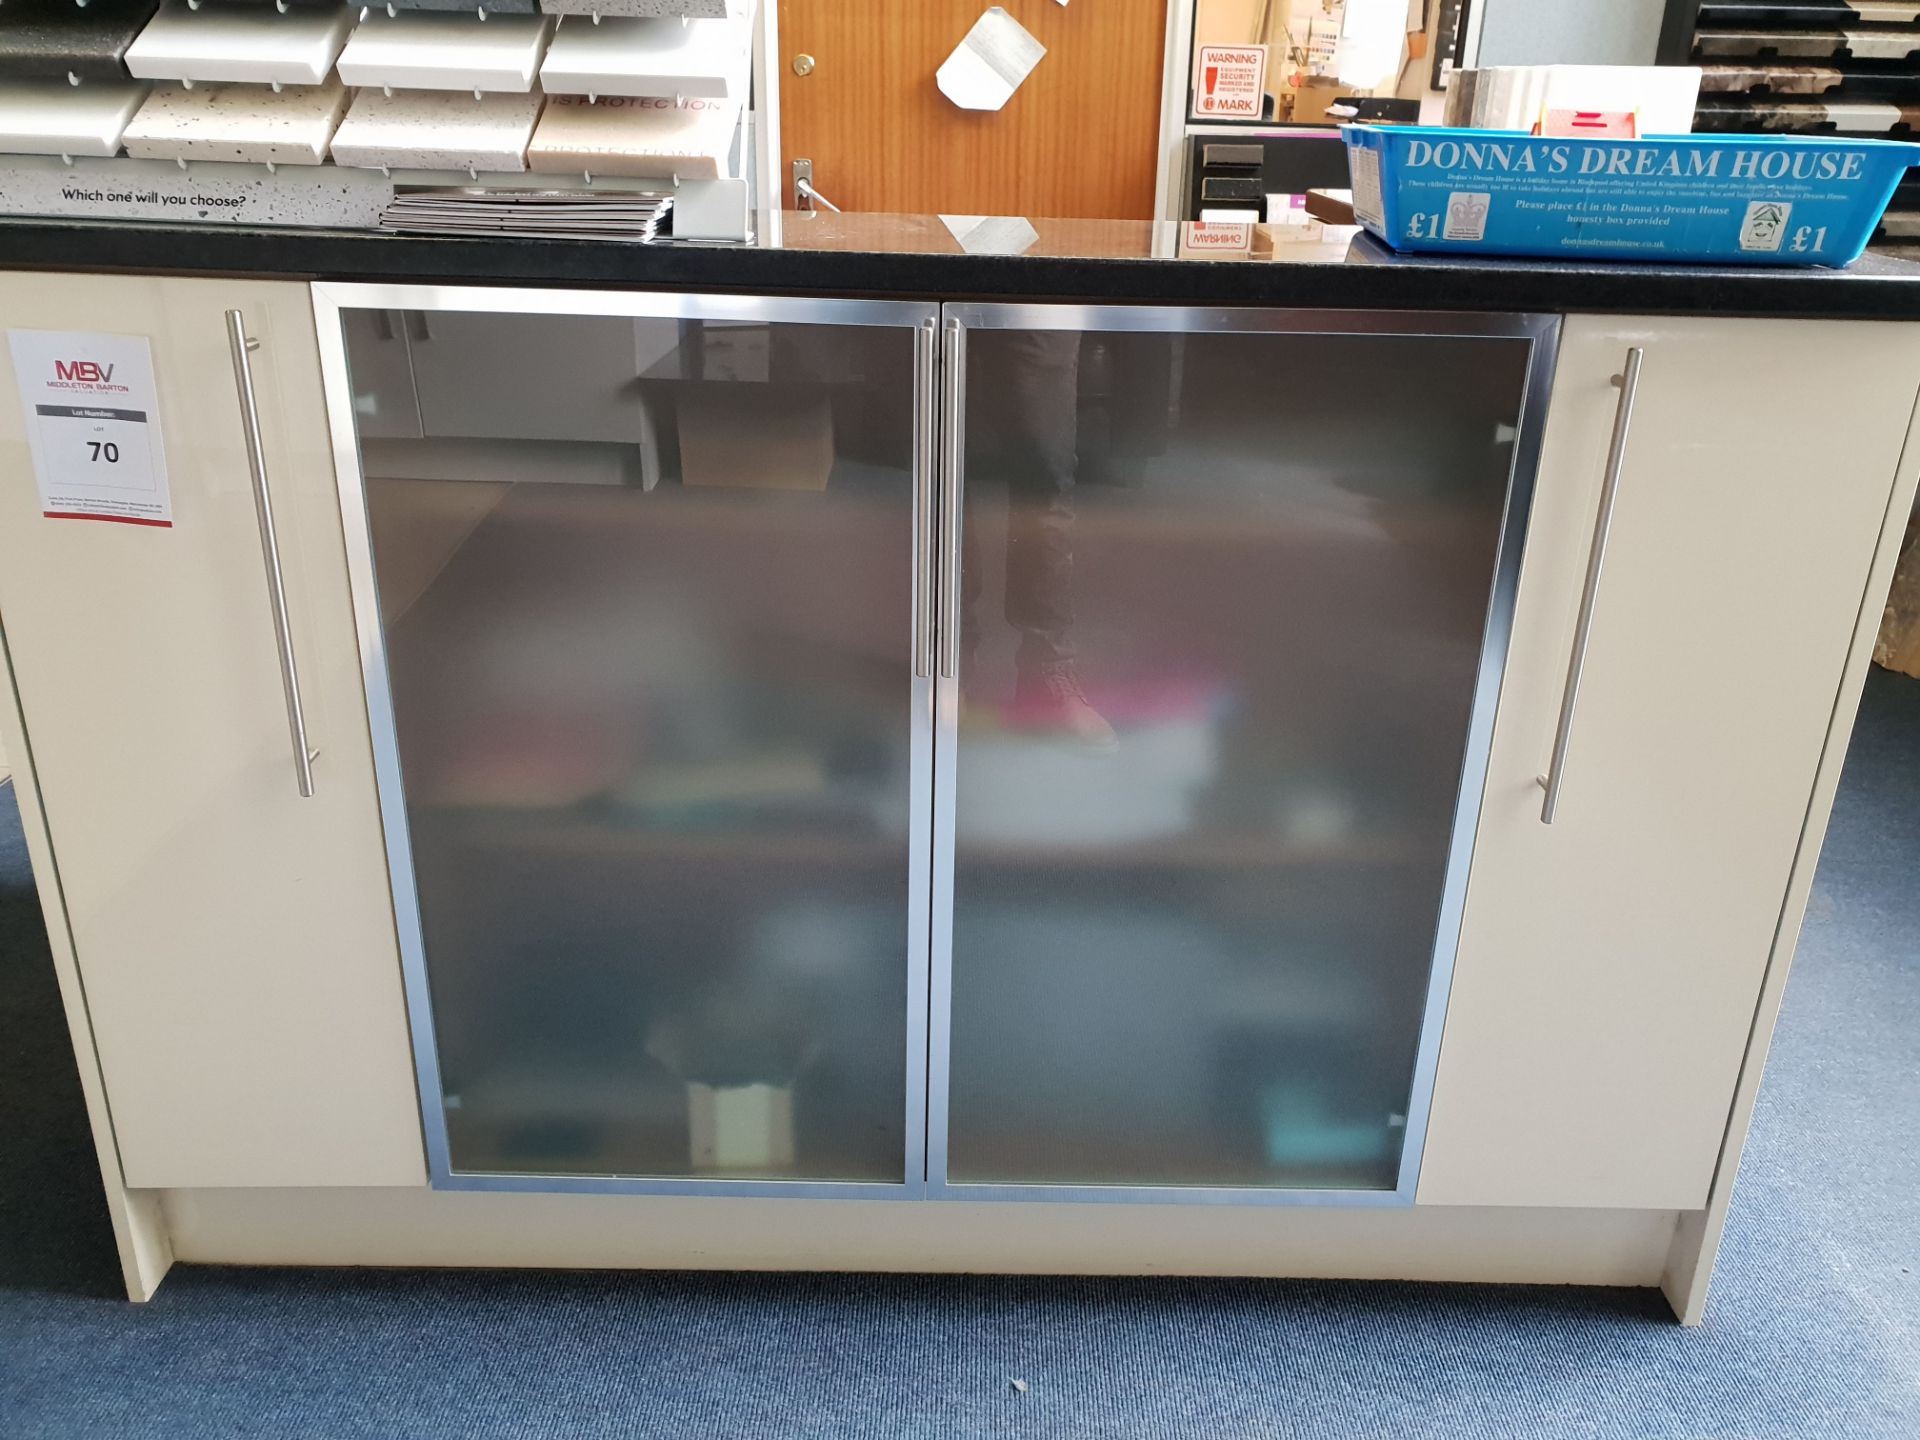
[(472, 7), (1808, 44), (252, 43), (695, 9), (433, 130), (51, 117), (446, 52), (238, 122), (53, 39), (703, 58), (624, 135)]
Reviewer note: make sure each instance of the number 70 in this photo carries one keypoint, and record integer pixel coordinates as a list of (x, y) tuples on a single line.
[(104, 450)]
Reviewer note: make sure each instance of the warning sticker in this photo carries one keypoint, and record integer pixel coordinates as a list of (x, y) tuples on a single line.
[(1230, 82), (1200, 236)]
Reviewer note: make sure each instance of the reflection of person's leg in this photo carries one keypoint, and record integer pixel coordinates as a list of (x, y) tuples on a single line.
[(1043, 462), (970, 588)]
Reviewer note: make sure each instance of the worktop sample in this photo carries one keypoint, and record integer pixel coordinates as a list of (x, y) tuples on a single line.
[(432, 51), (471, 7), (256, 44), (643, 136), (58, 39), (51, 117), (704, 59), (237, 122), (692, 9), (436, 130), (846, 753)]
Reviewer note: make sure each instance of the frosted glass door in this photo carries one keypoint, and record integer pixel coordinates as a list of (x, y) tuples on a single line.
[(1228, 629), (643, 606)]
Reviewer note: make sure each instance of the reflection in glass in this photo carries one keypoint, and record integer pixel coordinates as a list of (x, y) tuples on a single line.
[(1223, 604), (645, 586)]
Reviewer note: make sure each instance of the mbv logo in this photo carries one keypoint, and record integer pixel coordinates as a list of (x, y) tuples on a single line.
[(90, 372)]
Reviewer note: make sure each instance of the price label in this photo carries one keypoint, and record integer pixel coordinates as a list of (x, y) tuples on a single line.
[(95, 431)]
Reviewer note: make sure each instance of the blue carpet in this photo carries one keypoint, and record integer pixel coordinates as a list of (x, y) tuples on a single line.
[(1814, 1329)]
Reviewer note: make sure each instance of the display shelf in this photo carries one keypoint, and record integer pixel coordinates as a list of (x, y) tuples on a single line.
[(571, 839), (1804, 67)]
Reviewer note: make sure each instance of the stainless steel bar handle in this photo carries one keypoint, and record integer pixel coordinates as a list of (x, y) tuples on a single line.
[(953, 451), (926, 464), (1628, 383), (242, 346)]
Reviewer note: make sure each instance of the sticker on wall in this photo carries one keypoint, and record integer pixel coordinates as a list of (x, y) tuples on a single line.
[(1230, 82), (991, 63), (93, 425), (1215, 237)]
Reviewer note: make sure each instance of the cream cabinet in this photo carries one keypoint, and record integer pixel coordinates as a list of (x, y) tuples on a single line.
[(766, 820), (234, 937), (1611, 962)]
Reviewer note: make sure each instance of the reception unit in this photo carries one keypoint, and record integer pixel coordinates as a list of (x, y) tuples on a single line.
[(851, 755)]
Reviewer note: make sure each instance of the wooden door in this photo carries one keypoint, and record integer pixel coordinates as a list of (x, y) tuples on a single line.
[(1610, 963), (235, 940), (1078, 140)]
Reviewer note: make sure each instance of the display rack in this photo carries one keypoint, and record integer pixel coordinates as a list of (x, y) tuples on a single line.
[(1806, 67), (227, 111)]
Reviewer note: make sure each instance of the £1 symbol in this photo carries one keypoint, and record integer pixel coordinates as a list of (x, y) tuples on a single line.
[(1807, 239)]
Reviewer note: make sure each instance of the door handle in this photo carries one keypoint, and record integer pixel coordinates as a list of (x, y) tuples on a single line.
[(1628, 383), (242, 346), (953, 449), (926, 466), (805, 197)]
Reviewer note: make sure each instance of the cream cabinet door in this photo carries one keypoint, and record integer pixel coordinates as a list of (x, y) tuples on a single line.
[(1610, 962), (235, 940)]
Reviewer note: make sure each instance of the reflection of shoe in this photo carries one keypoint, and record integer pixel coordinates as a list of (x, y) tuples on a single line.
[(1049, 695)]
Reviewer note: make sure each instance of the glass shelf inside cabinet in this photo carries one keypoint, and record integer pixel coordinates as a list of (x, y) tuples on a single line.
[(644, 586)]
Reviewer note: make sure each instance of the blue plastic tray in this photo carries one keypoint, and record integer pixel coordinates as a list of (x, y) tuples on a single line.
[(1731, 199)]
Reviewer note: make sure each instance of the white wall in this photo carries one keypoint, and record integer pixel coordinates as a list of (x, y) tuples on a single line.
[(1569, 32)]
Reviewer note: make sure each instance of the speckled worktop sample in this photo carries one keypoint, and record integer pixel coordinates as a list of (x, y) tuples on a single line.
[(50, 39)]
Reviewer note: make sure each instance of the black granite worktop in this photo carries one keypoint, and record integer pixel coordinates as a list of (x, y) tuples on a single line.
[(1070, 260), (55, 39)]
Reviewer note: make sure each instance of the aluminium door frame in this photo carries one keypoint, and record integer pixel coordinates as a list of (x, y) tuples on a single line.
[(957, 319), (330, 299)]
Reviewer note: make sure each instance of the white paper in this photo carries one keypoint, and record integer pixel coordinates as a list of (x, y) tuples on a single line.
[(987, 66), (991, 234), (93, 425)]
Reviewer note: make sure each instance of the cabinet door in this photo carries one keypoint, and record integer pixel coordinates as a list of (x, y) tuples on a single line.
[(235, 939), (653, 752), (1610, 962), (1213, 675)]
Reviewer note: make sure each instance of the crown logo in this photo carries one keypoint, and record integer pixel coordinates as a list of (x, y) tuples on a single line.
[(1467, 210)]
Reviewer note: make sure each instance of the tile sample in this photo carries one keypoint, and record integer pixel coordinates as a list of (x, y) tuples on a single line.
[(51, 117), (471, 7), (705, 58), (415, 50), (436, 130), (251, 43), (51, 39), (238, 122), (626, 135), (697, 9)]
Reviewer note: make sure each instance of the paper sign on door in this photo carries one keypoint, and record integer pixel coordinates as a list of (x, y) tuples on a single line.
[(1230, 82), (93, 425)]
